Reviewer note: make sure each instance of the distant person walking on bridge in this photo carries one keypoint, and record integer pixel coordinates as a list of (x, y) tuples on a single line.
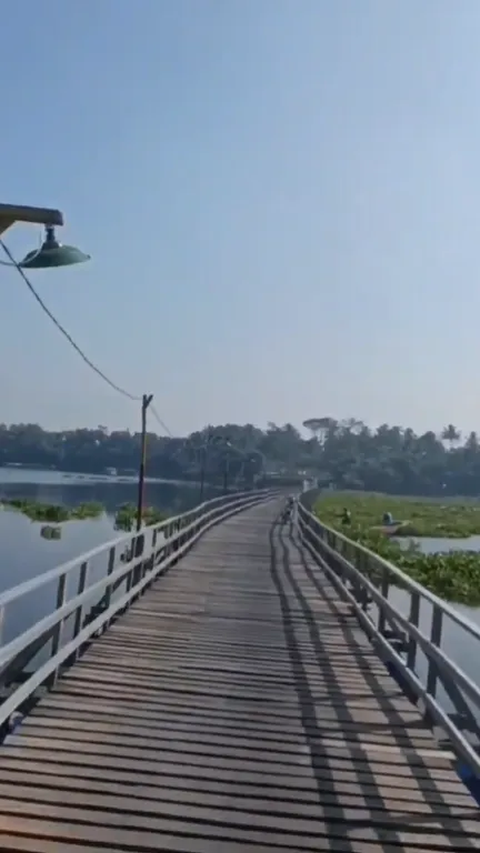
[(288, 510)]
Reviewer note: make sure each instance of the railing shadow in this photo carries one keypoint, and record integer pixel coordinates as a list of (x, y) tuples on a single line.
[(290, 569)]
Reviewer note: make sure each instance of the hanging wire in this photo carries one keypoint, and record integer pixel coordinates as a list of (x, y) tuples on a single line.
[(75, 346), (160, 422), (63, 331)]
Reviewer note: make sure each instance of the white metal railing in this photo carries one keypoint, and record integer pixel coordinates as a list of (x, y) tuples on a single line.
[(405, 630), (130, 564)]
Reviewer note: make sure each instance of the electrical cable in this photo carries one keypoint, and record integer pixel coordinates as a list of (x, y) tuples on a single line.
[(160, 422), (75, 346), (63, 331)]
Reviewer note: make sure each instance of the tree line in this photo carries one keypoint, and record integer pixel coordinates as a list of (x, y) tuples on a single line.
[(343, 454)]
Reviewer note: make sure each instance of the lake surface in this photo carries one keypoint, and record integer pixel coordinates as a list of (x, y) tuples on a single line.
[(25, 554)]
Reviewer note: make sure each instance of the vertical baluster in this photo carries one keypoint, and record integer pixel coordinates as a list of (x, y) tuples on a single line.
[(110, 569), (384, 589), (413, 618), (435, 639), (362, 565), (58, 630), (2, 623), (148, 565), (77, 625), (129, 578)]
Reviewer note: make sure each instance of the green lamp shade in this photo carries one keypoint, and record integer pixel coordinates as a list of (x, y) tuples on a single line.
[(53, 254)]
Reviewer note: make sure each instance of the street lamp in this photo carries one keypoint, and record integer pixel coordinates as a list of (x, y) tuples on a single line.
[(51, 253), (205, 447), (246, 457)]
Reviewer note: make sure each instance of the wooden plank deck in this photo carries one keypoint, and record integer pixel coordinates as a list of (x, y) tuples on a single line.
[(236, 707)]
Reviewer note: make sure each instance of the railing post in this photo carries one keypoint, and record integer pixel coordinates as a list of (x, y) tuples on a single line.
[(139, 549), (77, 625), (413, 618), (129, 576), (58, 630), (148, 565), (384, 588), (111, 565), (435, 639), (363, 568)]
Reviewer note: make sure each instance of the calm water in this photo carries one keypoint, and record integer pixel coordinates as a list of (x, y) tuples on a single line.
[(25, 554), (461, 647)]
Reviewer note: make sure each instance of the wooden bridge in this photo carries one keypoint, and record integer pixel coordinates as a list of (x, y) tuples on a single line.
[(238, 704)]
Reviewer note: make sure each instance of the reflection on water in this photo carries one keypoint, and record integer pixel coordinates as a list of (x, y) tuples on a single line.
[(25, 554), (71, 490)]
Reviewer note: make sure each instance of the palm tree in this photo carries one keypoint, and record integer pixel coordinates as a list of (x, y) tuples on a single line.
[(318, 427), (451, 435)]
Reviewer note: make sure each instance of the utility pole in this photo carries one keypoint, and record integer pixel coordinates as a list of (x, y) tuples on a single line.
[(146, 400), (226, 469), (226, 463), (210, 438), (203, 463)]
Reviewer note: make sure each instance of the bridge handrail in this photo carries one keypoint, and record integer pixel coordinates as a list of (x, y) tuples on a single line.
[(405, 580), (349, 564), (137, 572), (66, 568)]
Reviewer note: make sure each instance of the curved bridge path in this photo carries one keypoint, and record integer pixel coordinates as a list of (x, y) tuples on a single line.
[(237, 706)]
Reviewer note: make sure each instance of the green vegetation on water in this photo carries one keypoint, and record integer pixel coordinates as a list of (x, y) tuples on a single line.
[(126, 516), (37, 511), (452, 575), (420, 517)]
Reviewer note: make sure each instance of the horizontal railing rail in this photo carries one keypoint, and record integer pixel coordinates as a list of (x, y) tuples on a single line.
[(404, 633), (133, 561)]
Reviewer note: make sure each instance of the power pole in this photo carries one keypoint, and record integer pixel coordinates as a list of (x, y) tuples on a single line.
[(226, 470), (203, 463), (204, 450), (146, 400)]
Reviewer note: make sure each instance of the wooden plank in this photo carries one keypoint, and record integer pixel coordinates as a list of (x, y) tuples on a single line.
[(79, 718), (236, 707), (153, 833), (221, 656), (240, 760), (219, 810), (367, 712), (265, 798), (208, 741), (392, 701), (40, 837), (333, 761), (334, 776), (181, 687)]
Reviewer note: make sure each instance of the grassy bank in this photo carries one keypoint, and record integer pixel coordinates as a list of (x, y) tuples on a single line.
[(453, 575), (424, 518)]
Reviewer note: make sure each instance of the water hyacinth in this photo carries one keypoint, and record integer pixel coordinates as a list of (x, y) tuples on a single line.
[(36, 511), (452, 575)]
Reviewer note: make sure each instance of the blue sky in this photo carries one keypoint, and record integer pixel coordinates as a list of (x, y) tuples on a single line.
[(281, 199)]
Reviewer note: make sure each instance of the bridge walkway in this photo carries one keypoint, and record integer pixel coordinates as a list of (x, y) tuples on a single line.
[(237, 706)]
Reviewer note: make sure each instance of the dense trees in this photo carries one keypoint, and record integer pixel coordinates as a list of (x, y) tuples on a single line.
[(347, 454)]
